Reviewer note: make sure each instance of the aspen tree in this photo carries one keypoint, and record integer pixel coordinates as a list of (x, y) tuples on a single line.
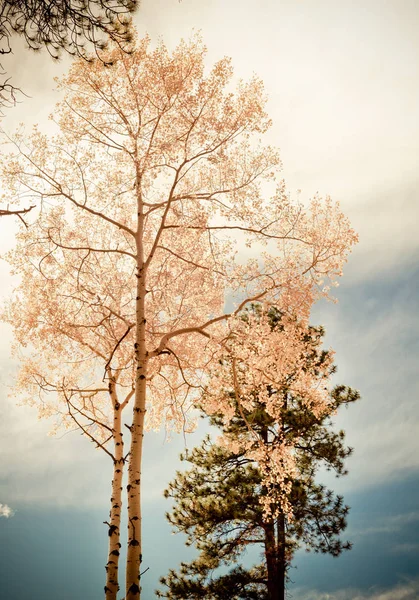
[(168, 159), (79, 369)]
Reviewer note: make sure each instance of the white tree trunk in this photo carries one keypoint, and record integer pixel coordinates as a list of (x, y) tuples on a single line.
[(134, 550), (112, 587)]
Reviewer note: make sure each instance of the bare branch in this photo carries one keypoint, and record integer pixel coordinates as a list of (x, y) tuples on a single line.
[(17, 213), (201, 328), (107, 366), (84, 429)]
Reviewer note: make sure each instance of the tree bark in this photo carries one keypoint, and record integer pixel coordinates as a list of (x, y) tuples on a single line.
[(274, 549), (281, 537), (112, 587), (275, 558), (270, 559), (134, 551), (280, 553)]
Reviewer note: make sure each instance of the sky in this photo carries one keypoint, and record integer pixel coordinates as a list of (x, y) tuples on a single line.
[(343, 86)]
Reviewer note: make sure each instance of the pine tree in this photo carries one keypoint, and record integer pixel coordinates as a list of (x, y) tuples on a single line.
[(217, 502)]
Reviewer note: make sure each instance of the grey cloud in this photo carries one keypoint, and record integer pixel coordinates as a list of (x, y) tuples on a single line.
[(407, 548), (375, 333), (392, 524), (408, 590)]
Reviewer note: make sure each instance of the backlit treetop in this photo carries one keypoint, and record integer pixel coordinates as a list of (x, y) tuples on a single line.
[(155, 130), (160, 198)]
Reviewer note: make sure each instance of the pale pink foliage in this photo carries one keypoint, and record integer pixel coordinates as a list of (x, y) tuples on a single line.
[(158, 174), (252, 361), (75, 313)]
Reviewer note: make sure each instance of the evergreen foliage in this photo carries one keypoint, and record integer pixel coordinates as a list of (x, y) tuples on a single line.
[(72, 26), (217, 501)]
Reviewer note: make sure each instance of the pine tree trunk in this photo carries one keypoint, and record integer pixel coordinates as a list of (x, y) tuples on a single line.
[(275, 558), (275, 585), (112, 587), (281, 537), (134, 550), (280, 556)]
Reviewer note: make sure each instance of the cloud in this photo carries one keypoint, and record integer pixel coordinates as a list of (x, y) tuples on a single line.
[(408, 590), (393, 524), (405, 548), (375, 334), (6, 511), (67, 471)]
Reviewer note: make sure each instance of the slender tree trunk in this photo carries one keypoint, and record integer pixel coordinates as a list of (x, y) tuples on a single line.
[(134, 551), (281, 537), (280, 555), (112, 587), (275, 586), (274, 550)]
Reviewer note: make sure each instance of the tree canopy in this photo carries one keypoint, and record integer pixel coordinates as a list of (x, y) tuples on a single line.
[(156, 181)]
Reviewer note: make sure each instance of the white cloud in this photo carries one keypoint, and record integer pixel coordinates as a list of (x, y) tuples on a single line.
[(6, 511), (408, 590)]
